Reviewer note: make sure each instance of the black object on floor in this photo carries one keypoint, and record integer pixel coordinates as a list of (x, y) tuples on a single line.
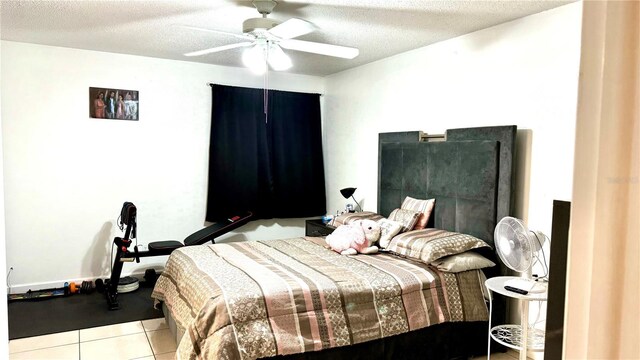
[(80, 311)]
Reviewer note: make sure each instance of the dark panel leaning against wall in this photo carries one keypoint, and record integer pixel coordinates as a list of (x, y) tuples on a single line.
[(450, 170), (271, 165), (506, 136), (404, 158), (390, 168), (557, 280)]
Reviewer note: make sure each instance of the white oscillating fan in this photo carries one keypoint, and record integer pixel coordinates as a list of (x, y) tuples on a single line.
[(518, 248)]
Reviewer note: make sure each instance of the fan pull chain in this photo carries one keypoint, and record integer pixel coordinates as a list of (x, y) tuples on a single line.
[(266, 88)]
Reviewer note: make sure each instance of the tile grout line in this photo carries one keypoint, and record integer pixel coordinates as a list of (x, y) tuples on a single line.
[(78, 341), (47, 347), (111, 337), (124, 335), (44, 348), (114, 336), (153, 353)]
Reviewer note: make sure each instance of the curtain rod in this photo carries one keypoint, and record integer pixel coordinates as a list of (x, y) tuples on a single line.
[(211, 84)]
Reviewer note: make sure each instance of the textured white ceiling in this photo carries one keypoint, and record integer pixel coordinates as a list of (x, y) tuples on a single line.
[(379, 28)]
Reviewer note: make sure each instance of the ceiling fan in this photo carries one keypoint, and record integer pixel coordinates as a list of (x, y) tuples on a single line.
[(265, 38)]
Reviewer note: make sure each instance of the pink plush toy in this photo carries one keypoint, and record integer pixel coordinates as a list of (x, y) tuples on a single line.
[(356, 237)]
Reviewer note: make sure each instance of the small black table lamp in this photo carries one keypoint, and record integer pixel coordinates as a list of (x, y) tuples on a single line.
[(348, 193)]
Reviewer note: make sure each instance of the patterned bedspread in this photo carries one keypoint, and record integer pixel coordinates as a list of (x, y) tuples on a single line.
[(256, 299)]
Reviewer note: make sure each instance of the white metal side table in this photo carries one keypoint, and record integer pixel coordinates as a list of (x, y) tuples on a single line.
[(511, 335)]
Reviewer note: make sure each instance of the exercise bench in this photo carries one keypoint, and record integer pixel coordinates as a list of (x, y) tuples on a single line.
[(158, 248)]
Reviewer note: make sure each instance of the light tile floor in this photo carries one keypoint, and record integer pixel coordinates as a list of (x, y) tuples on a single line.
[(139, 340), (509, 355), (147, 339)]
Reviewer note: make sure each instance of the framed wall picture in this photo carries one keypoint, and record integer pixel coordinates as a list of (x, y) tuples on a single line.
[(116, 104)]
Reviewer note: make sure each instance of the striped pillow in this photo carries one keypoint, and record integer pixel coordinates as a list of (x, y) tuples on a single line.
[(407, 218), (429, 245), (348, 218), (424, 206), (462, 262)]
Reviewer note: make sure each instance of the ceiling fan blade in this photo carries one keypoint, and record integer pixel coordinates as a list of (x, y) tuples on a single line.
[(320, 48), (292, 28), (218, 48), (240, 36)]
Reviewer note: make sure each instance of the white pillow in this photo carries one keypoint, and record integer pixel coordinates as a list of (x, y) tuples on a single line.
[(388, 229), (462, 262)]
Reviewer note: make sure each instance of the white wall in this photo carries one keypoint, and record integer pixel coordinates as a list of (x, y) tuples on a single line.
[(67, 175), (522, 73), (4, 321)]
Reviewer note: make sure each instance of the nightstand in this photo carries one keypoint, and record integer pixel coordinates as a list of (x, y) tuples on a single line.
[(512, 335), (315, 227)]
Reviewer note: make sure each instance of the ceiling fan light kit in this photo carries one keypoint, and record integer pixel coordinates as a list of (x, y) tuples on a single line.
[(253, 58), (265, 38), (262, 53), (278, 60)]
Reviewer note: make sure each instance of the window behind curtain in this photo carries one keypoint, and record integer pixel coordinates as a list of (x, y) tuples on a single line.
[(273, 168)]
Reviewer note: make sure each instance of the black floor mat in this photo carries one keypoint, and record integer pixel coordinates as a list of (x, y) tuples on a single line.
[(80, 311)]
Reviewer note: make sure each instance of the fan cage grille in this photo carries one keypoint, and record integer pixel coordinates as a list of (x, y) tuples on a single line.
[(514, 244)]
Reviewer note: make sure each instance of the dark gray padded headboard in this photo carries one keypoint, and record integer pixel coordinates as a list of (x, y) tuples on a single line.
[(470, 175)]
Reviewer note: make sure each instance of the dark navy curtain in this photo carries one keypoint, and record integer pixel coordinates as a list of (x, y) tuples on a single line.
[(269, 165)]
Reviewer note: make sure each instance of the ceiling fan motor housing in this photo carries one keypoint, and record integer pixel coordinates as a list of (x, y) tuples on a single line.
[(264, 7), (253, 24)]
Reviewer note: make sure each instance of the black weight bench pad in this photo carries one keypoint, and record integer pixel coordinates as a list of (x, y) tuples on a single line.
[(164, 247), (219, 228), (199, 237)]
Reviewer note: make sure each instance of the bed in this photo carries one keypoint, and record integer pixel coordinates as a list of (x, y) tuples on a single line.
[(294, 298)]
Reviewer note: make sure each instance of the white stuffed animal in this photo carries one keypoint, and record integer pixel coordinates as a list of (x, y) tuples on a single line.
[(356, 237)]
